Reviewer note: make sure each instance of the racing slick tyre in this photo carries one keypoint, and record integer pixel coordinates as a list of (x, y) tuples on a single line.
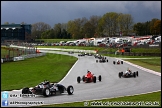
[(107, 60), (78, 79), (46, 92), (70, 90), (99, 77), (121, 62), (26, 90), (136, 73), (120, 74), (94, 79), (83, 78), (113, 62), (96, 61)]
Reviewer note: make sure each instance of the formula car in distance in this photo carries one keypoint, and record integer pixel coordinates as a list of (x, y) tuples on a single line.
[(71, 52), (98, 56), (117, 62), (89, 54), (88, 78), (128, 73), (102, 60), (48, 89), (81, 54)]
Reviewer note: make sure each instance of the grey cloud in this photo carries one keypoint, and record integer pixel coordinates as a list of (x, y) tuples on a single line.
[(53, 12)]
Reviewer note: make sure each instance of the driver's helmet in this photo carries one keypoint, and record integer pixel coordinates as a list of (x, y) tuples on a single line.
[(128, 69), (46, 82), (88, 71)]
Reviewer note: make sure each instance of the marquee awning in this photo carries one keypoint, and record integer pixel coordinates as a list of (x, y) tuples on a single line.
[(10, 28)]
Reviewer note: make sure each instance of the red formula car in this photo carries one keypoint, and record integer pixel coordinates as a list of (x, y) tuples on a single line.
[(89, 77), (117, 62)]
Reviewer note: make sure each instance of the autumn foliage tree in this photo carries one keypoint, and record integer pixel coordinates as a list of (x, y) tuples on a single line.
[(110, 24)]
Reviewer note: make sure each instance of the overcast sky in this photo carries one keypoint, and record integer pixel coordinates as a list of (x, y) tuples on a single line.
[(54, 12)]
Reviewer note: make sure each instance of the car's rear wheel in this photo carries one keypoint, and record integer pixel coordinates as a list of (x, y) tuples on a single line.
[(113, 62), (26, 90), (70, 90), (78, 79), (94, 79), (121, 62), (134, 74), (46, 92), (119, 74)]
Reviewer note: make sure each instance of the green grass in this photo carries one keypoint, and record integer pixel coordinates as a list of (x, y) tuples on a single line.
[(74, 47), (55, 40), (106, 49), (124, 56), (153, 64), (146, 50), (145, 99), (32, 71), (19, 74), (12, 52)]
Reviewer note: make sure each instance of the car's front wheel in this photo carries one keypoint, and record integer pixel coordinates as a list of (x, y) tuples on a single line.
[(137, 73), (70, 90), (46, 92), (99, 77)]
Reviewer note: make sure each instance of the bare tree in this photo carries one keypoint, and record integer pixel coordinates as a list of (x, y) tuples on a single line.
[(39, 28)]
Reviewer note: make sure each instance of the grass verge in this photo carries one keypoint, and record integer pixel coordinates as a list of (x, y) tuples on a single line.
[(32, 71), (153, 64), (143, 100)]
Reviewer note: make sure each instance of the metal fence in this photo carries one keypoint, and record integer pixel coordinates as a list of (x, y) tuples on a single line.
[(10, 59)]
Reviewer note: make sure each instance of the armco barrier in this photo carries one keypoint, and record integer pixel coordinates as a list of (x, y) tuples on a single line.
[(33, 55), (18, 58), (22, 57)]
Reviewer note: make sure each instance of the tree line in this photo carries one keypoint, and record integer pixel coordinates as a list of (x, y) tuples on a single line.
[(108, 25)]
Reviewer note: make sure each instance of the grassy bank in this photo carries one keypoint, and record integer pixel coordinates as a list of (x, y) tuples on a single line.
[(54, 67), (153, 64), (149, 100), (54, 40), (106, 49), (32, 71)]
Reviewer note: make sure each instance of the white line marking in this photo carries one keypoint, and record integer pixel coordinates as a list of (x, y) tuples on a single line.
[(104, 98), (69, 71), (142, 68)]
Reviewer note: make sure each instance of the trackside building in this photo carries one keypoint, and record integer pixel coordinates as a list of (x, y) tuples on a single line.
[(16, 32)]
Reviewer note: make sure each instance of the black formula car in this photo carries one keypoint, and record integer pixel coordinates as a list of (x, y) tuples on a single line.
[(71, 52), (81, 54), (47, 89), (89, 54), (117, 62), (103, 60), (98, 56), (128, 74)]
